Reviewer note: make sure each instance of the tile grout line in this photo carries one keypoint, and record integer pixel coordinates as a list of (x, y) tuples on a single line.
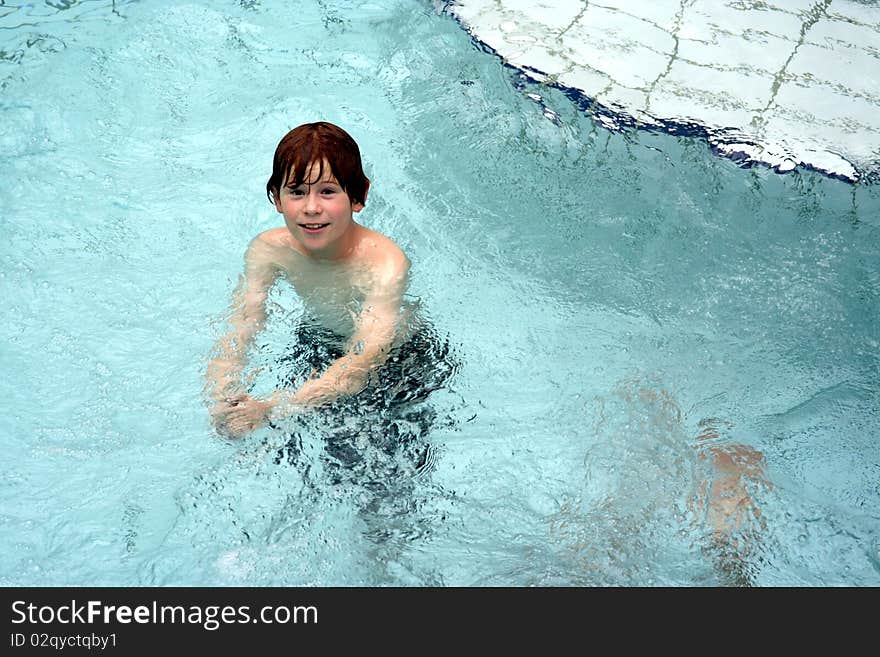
[(672, 58), (575, 20), (816, 13)]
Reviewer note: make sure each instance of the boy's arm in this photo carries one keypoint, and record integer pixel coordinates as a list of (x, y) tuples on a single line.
[(248, 316), (375, 330)]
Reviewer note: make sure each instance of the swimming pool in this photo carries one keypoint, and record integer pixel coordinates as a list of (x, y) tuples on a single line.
[(607, 295)]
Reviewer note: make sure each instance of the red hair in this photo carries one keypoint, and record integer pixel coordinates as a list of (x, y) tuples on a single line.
[(316, 143)]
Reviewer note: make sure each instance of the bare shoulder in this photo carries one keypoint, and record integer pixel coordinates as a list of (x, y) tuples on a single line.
[(383, 256), (274, 242), (267, 248), (274, 237)]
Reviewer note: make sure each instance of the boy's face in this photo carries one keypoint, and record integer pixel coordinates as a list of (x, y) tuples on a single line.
[(318, 213)]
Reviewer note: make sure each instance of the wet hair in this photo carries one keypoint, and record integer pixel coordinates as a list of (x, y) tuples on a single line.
[(315, 143)]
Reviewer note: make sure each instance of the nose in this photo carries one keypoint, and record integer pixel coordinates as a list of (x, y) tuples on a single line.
[(312, 203)]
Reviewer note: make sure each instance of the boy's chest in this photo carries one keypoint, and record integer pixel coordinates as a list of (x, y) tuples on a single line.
[(331, 281), (333, 293)]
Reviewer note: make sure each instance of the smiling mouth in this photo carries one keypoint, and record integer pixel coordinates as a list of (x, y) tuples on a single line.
[(313, 228)]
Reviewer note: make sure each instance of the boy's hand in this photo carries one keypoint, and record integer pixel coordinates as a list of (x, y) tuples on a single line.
[(237, 416)]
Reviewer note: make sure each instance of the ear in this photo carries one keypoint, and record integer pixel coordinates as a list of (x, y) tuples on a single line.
[(276, 200), (357, 207)]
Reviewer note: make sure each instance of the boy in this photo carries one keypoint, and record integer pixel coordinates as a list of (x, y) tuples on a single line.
[(350, 278)]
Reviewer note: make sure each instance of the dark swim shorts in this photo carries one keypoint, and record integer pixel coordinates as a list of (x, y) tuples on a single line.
[(412, 371), (381, 430)]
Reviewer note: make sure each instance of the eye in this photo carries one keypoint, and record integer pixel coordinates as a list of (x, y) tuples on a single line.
[(295, 191), (327, 191)]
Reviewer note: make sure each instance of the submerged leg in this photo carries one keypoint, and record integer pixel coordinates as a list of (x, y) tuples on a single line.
[(731, 511)]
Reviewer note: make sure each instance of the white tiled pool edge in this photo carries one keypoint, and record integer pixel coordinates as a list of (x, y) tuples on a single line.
[(796, 84)]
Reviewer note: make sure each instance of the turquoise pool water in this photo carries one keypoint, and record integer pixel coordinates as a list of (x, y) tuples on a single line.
[(606, 294)]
